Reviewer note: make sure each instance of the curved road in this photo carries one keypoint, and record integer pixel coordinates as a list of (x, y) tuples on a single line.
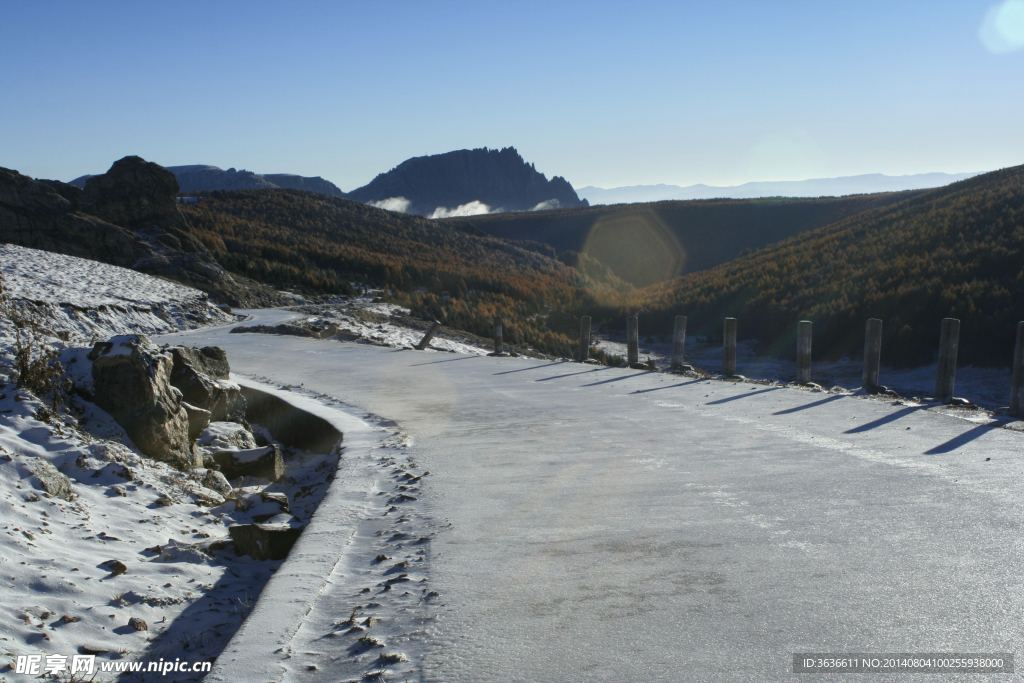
[(615, 525)]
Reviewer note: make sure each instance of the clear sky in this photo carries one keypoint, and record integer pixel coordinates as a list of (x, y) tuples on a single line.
[(604, 94)]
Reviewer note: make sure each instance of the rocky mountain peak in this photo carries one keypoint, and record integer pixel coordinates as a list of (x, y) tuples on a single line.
[(500, 179)]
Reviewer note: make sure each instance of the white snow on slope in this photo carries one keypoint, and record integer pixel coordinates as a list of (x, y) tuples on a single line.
[(83, 298), (163, 525), (379, 328)]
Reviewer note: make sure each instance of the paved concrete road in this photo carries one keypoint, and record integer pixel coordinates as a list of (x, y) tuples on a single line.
[(615, 525)]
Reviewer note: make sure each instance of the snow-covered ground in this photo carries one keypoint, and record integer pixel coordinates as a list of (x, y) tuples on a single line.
[(508, 519), (81, 299), (590, 523), (59, 593), (366, 321)]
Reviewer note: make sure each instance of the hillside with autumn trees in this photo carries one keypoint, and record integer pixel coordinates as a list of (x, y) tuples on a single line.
[(649, 243), (956, 251), (314, 244)]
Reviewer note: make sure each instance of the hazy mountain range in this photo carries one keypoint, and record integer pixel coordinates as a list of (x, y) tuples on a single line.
[(465, 182), (200, 177), (480, 181), (817, 187)]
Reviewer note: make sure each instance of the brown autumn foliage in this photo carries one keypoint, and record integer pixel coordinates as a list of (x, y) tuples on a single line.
[(956, 251), (649, 243), (317, 244)]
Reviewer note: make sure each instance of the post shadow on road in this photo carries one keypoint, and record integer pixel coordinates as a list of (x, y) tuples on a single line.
[(535, 367), (739, 396), (570, 374), (616, 379), (963, 439), (670, 386), (446, 360), (823, 401), (891, 417)]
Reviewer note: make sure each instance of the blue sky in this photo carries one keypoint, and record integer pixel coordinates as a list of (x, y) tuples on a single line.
[(604, 94)]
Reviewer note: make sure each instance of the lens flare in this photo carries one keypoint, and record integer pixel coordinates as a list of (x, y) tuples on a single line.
[(1002, 30), (636, 245)]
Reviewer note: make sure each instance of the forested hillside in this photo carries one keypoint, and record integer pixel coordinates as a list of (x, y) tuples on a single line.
[(650, 243), (317, 244), (955, 252)]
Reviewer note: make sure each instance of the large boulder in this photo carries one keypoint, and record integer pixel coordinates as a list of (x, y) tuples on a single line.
[(131, 379), (201, 375), (128, 217), (35, 214), (136, 194)]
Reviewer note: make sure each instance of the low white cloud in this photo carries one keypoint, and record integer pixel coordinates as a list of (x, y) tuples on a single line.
[(547, 205), (399, 204), (1002, 30), (473, 208)]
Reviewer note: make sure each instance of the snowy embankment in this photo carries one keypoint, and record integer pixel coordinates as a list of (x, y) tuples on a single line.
[(81, 299), (103, 550), (366, 320)]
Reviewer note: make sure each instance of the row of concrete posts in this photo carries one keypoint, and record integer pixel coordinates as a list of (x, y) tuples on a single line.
[(949, 337)]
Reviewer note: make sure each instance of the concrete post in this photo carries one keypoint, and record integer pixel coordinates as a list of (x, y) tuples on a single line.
[(1017, 383), (949, 341), (428, 336), (584, 352), (729, 347), (872, 355), (678, 341), (803, 352), (632, 340), (497, 335)]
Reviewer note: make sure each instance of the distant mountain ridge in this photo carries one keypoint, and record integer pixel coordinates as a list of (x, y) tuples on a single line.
[(817, 187), (202, 177), (467, 182)]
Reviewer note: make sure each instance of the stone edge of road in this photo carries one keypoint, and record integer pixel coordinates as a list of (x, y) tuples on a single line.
[(258, 649)]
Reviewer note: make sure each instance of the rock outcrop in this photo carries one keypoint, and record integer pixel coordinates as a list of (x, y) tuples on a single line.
[(201, 375), (264, 541), (141, 196), (34, 214), (216, 481), (198, 420), (138, 195), (225, 436), (52, 481), (260, 463), (127, 217), (132, 382), (499, 179)]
